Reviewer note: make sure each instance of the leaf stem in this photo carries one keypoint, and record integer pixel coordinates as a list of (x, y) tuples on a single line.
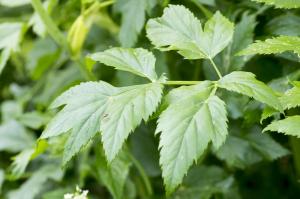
[(216, 68), (181, 82), (142, 173), (49, 23), (96, 6), (58, 36)]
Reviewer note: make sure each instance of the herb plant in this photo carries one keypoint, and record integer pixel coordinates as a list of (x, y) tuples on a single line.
[(179, 113)]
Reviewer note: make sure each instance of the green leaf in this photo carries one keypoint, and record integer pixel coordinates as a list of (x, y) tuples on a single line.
[(243, 36), (14, 3), (207, 2), (133, 19), (291, 98), (2, 178), (288, 126), (237, 152), (178, 29), (99, 107), (267, 112), (34, 119), (266, 146), (137, 61), (4, 58), (10, 35), (273, 46), (43, 54), (206, 182), (14, 137), (281, 3), (285, 24), (246, 84), (36, 22), (20, 163), (125, 111), (187, 126), (36, 182), (114, 176)]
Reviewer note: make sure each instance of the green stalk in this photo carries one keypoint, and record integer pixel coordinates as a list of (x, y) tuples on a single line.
[(142, 174), (215, 67), (51, 27), (96, 6), (181, 82), (59, 37), (295, 142), (205, 11)]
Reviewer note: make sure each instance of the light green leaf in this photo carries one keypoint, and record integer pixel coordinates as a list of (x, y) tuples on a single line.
[(10, 110), (133, 19), (267, 112), (14, 137), (114, 176), (273, 46), (36, 182), (187, 126), (291, 98), (281, 3), (288, 126), (178, 29), (10, 35), (34, 119), (246, 84), (137, 61), (20, 163), (43, 55), (99, 107), (14, 3), (125, 111)]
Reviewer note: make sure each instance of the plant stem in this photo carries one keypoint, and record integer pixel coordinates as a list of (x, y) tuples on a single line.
[(51, 27), (58, 36), (181, 82), (142, 173), (96, 6), (205, 11), (215, 67)]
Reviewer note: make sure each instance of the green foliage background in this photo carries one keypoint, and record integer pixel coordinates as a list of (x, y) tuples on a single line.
[(118, 137)]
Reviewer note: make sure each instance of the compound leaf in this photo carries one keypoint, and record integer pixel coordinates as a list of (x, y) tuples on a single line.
[(273, 46), (99, 107), (288, 126), (246, 84), (281, 3), (187, 126), (137, 61), (178, 29)]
